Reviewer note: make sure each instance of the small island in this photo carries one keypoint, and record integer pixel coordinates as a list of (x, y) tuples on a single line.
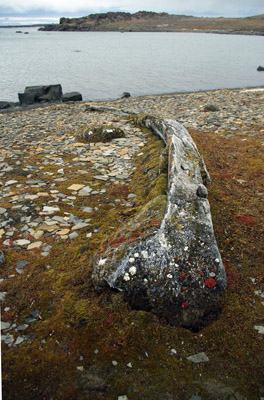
[(146, 21)]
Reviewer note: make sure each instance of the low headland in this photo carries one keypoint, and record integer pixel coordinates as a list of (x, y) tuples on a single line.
[(66, 202), (146, 21)]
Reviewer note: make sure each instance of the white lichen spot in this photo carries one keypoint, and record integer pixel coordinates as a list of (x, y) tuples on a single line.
[(144, 254), (131, 260), (132, 271), (169, 276), (136, 255), (163, 241), (145, 280), (102, 261), (186, 248), (217, 260), (126, 277)]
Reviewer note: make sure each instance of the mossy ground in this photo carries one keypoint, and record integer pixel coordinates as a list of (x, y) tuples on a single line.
[(87, 330)]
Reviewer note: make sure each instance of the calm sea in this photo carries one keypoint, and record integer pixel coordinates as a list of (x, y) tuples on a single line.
[(103, 65)]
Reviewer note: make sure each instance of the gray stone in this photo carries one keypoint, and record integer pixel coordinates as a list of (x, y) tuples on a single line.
[(125, 95), (2, 258), (22, 242), (19, 340), (171, 267), (7, 338), (36, 94), (2, 296), (72, 96), (73, 235), (260, 68), (20, 265), (5, 325), (78, 226), (4, 105), (211, 107), (22, 327), (88, 209), (259, 328), (198, 358)]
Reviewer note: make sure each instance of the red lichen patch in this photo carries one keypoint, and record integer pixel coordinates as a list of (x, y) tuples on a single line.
[(210, 283), (185, 305), (248, 220)]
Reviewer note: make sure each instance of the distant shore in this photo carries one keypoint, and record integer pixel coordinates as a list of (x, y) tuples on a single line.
[(145, 21)]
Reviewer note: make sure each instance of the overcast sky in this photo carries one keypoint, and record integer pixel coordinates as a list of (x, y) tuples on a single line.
[(228, 8)]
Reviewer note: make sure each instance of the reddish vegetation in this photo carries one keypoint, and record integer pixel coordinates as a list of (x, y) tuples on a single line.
[(210, 282)]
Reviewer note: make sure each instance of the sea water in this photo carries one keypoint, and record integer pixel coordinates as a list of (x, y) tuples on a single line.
[(103, 65)]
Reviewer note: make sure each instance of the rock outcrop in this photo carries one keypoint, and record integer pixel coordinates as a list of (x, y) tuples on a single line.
[(72, 96), (38, 94), (175, 272), (46, 93), (4, 105)]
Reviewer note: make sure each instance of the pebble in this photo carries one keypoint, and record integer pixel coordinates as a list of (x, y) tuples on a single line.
[(5, 326), (198, 358), (35, 245), (259, 328), (2, 257), (19, 340)]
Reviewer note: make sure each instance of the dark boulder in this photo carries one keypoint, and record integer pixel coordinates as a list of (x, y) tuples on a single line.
[(37, 94), (211, 107), (72, 96), (4, 104), (260, 68), (26, 98), (125, 95)]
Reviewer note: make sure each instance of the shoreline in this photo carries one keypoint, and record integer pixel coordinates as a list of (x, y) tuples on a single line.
[(215, 32), (16, 107)]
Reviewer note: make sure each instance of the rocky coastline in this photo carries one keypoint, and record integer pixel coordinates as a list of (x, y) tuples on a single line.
[(144, 21)]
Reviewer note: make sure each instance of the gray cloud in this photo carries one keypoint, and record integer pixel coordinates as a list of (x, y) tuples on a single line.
[(84, 7)]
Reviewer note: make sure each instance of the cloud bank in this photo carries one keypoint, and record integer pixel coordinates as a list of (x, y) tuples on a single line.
[(226, 8)]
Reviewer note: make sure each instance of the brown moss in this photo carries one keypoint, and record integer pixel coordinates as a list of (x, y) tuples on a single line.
[(75, 322)]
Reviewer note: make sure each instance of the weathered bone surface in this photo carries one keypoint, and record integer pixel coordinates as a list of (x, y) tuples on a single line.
[(177, 272)]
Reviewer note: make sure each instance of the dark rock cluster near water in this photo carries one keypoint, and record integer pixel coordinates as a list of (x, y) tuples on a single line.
[(260, 68), (46, 93), (41, 94)]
